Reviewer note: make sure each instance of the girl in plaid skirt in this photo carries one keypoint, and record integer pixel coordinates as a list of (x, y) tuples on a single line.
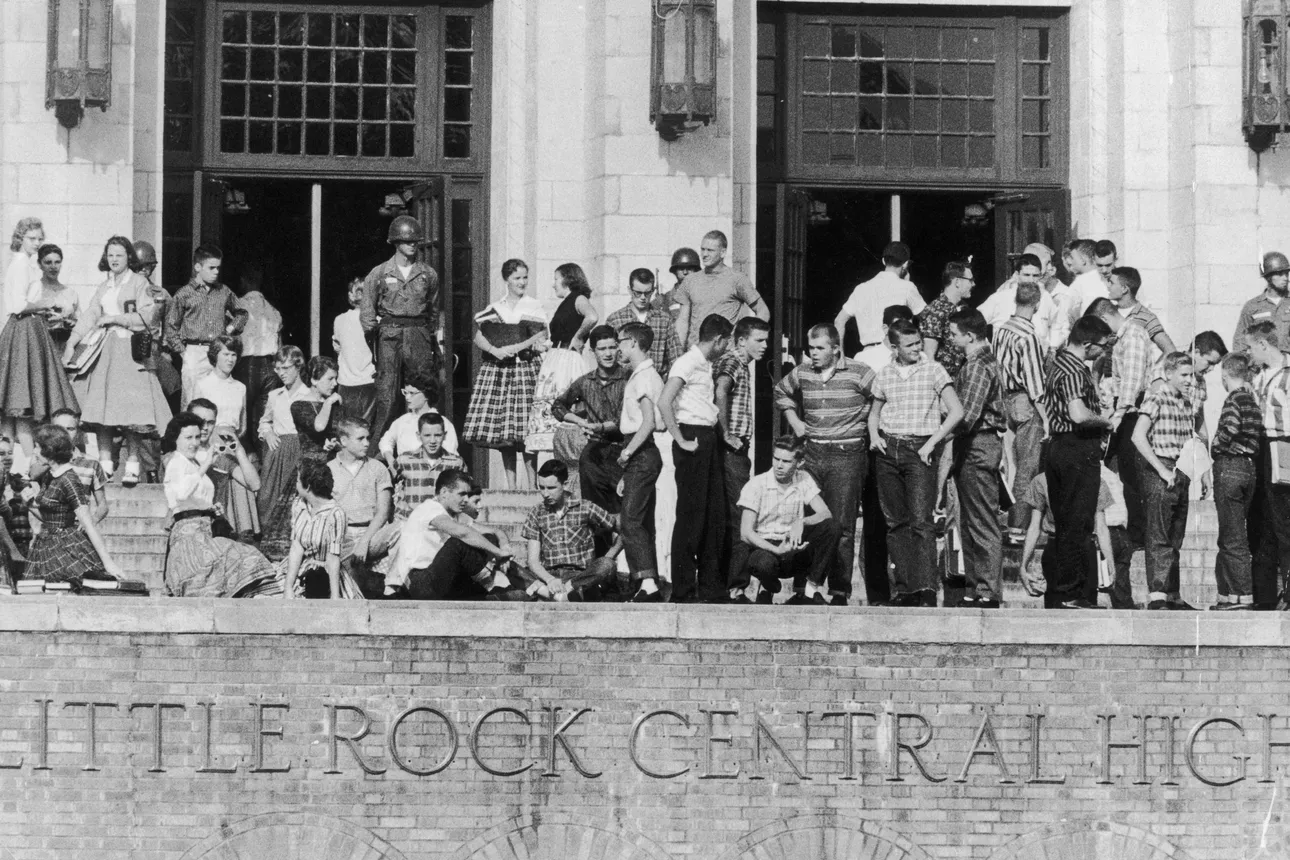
[(512, 331)]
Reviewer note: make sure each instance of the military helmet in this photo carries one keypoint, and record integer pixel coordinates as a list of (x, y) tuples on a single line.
[(1274, 262), (685, 258), (404, 228), (146, 253)]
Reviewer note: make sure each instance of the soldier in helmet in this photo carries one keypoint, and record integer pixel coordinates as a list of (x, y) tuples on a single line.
[(685, 262), (1269, 305), (401, 307)]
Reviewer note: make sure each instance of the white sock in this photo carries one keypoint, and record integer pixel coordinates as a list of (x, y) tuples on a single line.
[(812, 589), (649, 586)]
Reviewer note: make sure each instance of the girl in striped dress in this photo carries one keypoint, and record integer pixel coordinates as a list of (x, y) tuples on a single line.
[(512, 331), (312, 568)]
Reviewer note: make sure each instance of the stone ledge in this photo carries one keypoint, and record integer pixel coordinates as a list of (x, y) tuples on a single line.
[(150, 615)]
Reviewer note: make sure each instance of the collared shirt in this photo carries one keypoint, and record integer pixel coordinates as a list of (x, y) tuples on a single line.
[(1274, 400), (263, 325), (1262, 309), (202, 313), (90, 472), (1068, 378), (1087, 287), (834, 409), (1239, 425), (419, 540), (912, 397), (415, 474), (935, 324), (723, 292), (778, 506), (1171, 419), (388, 293), (353, 355), (277, 410), (1020, 353), (1130, 366), (1142, 315), (643, 382), (696, 402), (229, 397), (601, 397), (666, 347), (567, 536), (877, 356), (186, 486), (869, 299), (733, 366), (1068, 310), (1001, 305), (358, 487), (980, 388), (404, 435)]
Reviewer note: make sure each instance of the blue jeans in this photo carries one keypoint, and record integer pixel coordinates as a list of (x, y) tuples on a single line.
[(839, 470), (1233, 495), (1165, 515), (976, 475), (907, 491)]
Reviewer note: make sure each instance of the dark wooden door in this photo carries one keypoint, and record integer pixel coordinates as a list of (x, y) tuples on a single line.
[(1024, 217), (792, 206)]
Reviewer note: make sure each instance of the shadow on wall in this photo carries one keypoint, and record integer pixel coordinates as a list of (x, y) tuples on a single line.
[(556, 836)]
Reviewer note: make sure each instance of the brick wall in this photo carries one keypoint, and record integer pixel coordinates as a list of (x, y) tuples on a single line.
[(246, 764)]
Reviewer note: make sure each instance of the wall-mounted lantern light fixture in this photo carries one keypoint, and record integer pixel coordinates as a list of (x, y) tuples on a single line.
[(79, 63), (1266, 110), (683, 76)]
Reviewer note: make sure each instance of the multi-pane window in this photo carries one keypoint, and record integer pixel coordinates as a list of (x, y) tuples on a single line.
[(899, 98), (458, 85), (768, 97), (317, 83), (181, 73)]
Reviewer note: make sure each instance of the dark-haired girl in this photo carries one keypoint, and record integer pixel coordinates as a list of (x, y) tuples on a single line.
[(312, 567), (511, 334), (563, 363)]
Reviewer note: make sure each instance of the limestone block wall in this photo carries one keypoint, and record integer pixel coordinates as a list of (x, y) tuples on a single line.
[(80, 183), (183, 729)]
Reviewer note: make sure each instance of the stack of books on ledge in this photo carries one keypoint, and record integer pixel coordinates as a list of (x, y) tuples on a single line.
[(91, 587)]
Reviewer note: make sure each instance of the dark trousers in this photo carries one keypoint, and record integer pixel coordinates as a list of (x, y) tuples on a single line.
[(1122, 548), (1074, 476), (877, 583), (1027, 449), (405, 355), (636, 520), (451, 576), (976, 476), (1130, 466), (1165, 509), (359, 401), (599, 473), (907, 490), (814, 560), (1269, 530), (700, 518), (1234, 479), (839, 470), (736, 469), (256, 373)]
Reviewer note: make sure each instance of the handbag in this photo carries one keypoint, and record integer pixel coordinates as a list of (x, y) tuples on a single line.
[(141, 342), (568, 442)]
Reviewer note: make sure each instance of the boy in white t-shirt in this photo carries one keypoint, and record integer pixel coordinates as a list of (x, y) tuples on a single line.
[(357, 374)]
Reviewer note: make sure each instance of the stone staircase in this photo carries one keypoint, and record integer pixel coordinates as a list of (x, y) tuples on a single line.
[(135, 533)]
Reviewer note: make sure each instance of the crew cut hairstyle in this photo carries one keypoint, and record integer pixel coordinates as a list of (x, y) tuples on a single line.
[(899, 329), (1264, 332), (748, 325), (1083, 247), (1101, 307), (1237, 366), (953, 270), (718, 236), (207, 252), (639, 333), (1028, 295), (348, 425), (713, 327), (430, 419), (1130, 277), (972, 323), (826, 330)]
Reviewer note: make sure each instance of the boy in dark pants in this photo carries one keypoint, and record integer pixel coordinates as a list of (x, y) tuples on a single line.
[(978, 450), (640, 459), (1235, 449), (1165, 422)]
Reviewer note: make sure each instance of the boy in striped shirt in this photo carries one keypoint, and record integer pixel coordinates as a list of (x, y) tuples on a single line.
[(1235, 449)]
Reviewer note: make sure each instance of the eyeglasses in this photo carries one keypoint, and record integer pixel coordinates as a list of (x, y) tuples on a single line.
[(644, 294)]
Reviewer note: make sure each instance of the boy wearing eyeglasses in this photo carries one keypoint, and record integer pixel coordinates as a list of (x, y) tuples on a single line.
[(667, 346)]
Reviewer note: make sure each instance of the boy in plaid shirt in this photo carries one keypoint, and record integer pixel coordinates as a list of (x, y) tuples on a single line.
[(906, 429), (560, 533), (1236, 444), (1164, 426)]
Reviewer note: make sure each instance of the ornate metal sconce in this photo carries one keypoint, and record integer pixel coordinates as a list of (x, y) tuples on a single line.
[(79, 62), (1266, 112), (683, 76)]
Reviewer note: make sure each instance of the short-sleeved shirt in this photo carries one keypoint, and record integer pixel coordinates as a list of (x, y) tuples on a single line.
[(696, 403), (404, 434), (732, 366), (354, 356), (415, 474), (59, 500), (1088, 287), (1037, 499), (1171, 418), (913, 397), (1144, 316), (644, 382), (320, 533), (357, 491), (935, 324), (869, 299), (723, 292), (419, 540), (90, 472), (567, 536), (1020, 350), (778, 506), (229, 397), (1068, 379), (1001, 305), (835, 409)]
